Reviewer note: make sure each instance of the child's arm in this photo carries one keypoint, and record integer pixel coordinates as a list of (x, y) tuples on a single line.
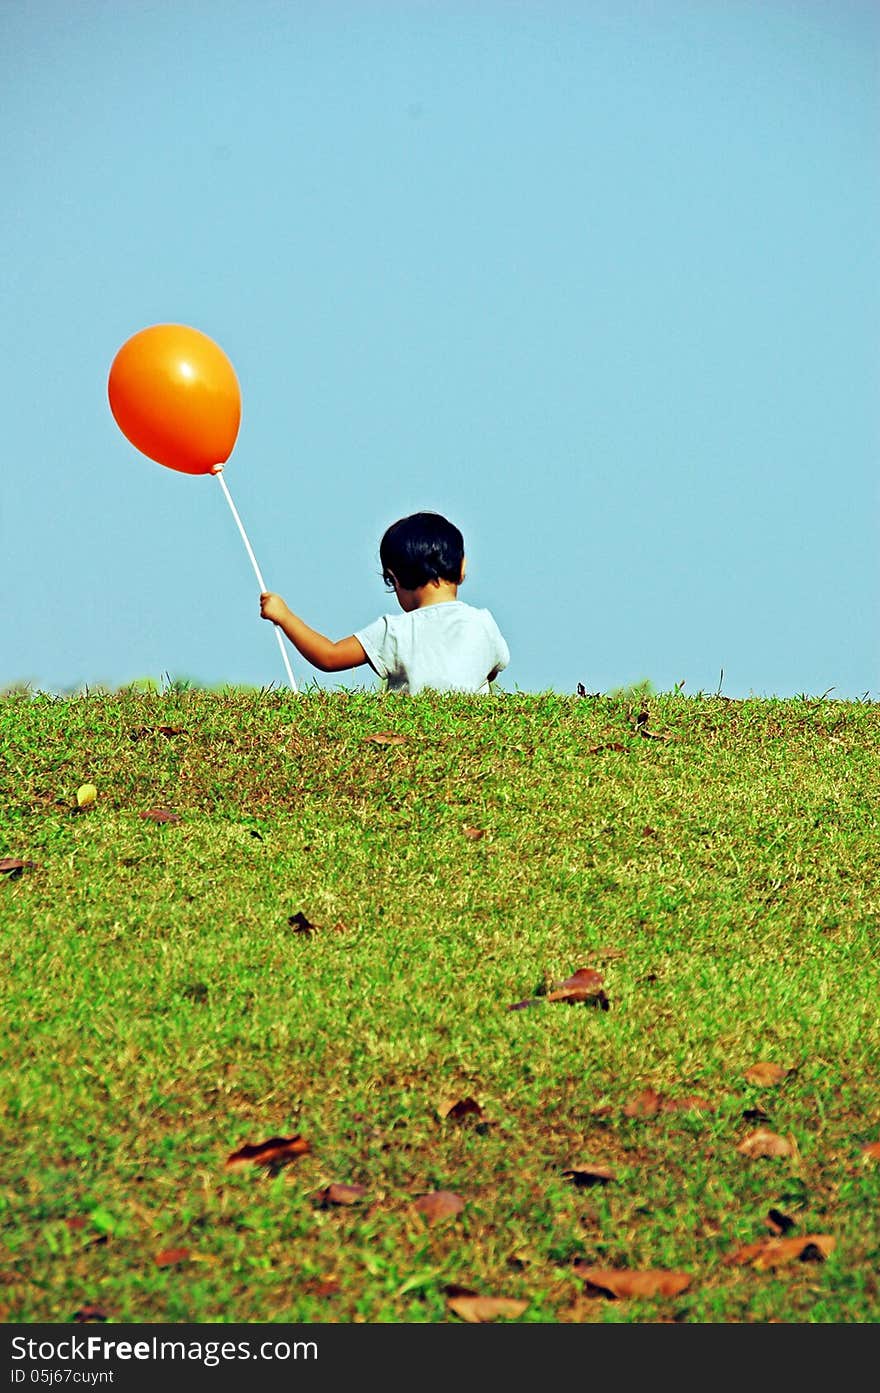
[(321, 652)]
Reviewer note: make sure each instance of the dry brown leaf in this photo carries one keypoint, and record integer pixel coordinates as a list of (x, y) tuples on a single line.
[(474, 834), (586, 1176), (161, 815), (611, 745), (322, 1286), (438, 1204), (580, 986), (13, 866), (275, 1153), (645, 1104), (871, 1152), (768, 1253), (746, 1254), (765, 1143), (691, 1103), (765, 1074), (341, 1194), (458, 1109), (623, 1283), (811, 1247), (169, 1256), (386, 737), (477, 1310)]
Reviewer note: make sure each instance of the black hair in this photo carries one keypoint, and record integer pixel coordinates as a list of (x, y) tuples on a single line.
[(422, 547)]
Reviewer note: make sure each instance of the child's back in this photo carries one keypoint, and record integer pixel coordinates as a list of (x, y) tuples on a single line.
[(447, 646)]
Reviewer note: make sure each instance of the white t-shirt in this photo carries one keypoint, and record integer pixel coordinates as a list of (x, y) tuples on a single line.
[(449, 647)]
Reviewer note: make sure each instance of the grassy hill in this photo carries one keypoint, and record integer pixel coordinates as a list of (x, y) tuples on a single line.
[(323, 940)]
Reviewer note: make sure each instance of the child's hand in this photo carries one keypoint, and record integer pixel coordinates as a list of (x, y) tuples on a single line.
[(272, 607)]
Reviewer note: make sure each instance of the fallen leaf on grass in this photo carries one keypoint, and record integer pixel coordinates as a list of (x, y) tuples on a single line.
[(765, 1074), (341, 1194), (871, 1152), (645, 1104), (587, 1176), (623, 1283), (611, 745), (457, 1110), (86, 795), (322, 1287), (161, 815), (90, 1313), (477, 1310), (169, 1257), (649, 1103), (583, 985), (275, 1153), (474, 834), (386, 737), (776, 1252), (438, 1204), (13, 866), (765, 1143), (691, 1103)]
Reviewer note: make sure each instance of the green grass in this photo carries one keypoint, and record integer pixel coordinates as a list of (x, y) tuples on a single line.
[(160, 1011)]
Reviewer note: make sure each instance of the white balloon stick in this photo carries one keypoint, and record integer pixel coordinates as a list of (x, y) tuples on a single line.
[(218, 473)]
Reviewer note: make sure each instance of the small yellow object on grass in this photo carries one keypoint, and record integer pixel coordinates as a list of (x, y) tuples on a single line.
[(86, 795)]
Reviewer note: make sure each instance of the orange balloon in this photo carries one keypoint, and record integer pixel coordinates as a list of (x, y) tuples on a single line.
[(174, 395)]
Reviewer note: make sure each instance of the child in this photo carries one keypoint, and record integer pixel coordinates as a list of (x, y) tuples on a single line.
[(438, 642)]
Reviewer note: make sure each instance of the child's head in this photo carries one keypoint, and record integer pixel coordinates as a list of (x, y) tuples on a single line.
[(419, 549)]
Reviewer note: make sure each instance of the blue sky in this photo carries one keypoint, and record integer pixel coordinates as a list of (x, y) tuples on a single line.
[(596, 280)]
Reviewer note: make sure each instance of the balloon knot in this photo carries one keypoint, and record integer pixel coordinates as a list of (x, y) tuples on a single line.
[(216, 468)]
